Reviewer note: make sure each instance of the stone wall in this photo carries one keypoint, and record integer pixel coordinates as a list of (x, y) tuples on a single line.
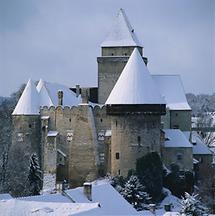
[(177, 119), (133, 136), (77, 139), (25, 142), (180, 119), (110, 66), (103, 124), (180, 156)]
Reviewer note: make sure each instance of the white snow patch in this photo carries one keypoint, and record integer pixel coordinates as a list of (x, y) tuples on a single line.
[(135, 84), (121, 33), (28, 103), (171, 88), (176, 138)]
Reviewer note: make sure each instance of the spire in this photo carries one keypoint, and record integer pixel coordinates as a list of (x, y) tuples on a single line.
[(45, 99), (28, 103), (135, 84), (122, 33)]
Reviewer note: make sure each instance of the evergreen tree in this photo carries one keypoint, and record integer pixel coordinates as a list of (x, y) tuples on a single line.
[(118, 182), (34, 177), (134, 192), (149, 169), (191, 206)]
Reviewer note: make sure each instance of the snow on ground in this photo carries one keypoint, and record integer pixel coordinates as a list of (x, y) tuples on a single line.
[(5, 196), (16, 207)]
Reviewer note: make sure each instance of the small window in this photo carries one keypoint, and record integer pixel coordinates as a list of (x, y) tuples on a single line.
[(117, 155), (138, 140), (29, 125), (119, 172), (116, 123), (70, 120), (175, 127), (44, 128), (112, 54), (125, 54), (101, 120), (179, 156)]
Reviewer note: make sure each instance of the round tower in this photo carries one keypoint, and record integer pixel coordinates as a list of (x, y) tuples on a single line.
[(25, 138), (135, 106)]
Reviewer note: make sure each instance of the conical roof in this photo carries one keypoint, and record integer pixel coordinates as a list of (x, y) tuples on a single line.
[(135, 84), (121, 33), (45, 99), (28, 103)]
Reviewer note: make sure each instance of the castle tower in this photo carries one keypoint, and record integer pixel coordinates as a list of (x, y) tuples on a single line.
[(25, 137), (135, 106), (116, 49)]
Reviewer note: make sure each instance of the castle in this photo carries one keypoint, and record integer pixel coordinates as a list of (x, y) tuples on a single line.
[(82, 133)]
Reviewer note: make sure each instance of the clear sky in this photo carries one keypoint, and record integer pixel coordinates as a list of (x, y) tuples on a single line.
[(59, 40)]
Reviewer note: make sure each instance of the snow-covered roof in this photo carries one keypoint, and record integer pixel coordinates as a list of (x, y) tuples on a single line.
[(121, 33), (21, 207), (62, 153), (45, 94), (45, 99), (198, 147), (174, 138), (52, 133), (112, 203), (171, 88), (28, 103), (135, 84), (108, 133), (49, 91)]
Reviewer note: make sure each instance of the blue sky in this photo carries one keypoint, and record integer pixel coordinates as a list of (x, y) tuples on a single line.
[(59, 40)]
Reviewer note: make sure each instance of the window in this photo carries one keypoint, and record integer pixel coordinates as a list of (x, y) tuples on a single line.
[(117, 155), (29, 126), (70, 120), (139, 140), (119, 172), (101, 120), (116, 123), (175, 127), (179, 156)]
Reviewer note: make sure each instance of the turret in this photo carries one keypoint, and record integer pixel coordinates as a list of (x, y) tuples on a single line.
[(135, 106), (116, 49), (25, 137)]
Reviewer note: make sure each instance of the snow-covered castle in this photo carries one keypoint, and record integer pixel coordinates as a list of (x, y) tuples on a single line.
[(82, 133)]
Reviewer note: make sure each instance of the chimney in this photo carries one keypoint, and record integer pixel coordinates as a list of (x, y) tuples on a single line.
[(77, 90), (88, 190), (60, 97), (85, 95)]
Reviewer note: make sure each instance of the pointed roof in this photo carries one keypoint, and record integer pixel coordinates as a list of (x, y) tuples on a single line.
[(44, 96), (28, 103), (48, 94), (135, 84), (121, 33)]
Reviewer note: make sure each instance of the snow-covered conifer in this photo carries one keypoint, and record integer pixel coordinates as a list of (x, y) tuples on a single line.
[(191, 206), (34, 176), (134, 192)]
